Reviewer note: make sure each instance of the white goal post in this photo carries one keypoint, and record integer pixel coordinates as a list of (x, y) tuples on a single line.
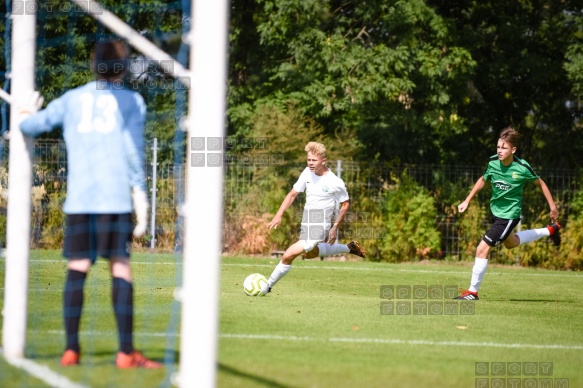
[(19, 185), (204, 196)]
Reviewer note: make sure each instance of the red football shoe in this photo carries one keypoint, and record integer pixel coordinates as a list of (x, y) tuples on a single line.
[(468, 295), (135, 360)]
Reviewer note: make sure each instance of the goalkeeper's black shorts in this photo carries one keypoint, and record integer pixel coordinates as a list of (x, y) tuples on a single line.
[(90, 235)]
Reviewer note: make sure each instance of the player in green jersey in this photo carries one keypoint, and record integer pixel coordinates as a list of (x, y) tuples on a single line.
[(507, 174)]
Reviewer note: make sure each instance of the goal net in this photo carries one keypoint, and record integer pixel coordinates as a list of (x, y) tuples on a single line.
[(168, 323)]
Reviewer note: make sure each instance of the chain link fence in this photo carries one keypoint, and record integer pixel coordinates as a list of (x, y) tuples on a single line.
[(449, 185)]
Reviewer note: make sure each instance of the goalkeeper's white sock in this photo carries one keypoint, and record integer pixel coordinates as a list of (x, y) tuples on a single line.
[(531, 235), (332, 249), (478, 272), (280, 271)]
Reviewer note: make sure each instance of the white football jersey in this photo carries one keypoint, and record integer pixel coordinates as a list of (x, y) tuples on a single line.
[(322, 192)]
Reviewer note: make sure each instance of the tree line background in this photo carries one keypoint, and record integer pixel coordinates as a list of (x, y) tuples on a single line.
[(382, 83), (410, 81)]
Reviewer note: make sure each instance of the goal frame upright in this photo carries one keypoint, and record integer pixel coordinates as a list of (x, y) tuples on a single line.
[(22, 77), (19, 183), (204, 194)]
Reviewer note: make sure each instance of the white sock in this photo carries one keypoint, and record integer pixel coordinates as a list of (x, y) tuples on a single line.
[(531, 235), (280, 271), (331, 250), (478, 272)]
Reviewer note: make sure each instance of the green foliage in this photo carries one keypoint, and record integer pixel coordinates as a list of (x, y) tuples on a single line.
[(379, 83), (574, 68), (3, 220), (577, 202), (3, 204), (572, 247), (410, 222), (366, 223), (166, 216), (416, 81), (471, 229), (53, 226), (525, 53), (413, 81), (572, 233)]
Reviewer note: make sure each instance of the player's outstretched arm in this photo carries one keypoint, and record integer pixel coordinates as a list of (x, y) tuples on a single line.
[(288, 200), (554, 214), (480, 183), (44, 120), (334, 229)]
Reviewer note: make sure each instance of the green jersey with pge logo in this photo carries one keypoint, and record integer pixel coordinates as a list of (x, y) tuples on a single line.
[(507, 184)]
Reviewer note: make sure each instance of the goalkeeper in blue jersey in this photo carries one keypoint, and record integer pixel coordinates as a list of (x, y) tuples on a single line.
[(507, 173), (103, 128)]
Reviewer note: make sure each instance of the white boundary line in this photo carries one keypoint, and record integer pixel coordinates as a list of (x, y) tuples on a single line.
[(404, 342), (571, 275), (389, 341), (43, 373)]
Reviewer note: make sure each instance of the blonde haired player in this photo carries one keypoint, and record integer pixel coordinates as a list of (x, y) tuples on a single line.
[(320, 220)]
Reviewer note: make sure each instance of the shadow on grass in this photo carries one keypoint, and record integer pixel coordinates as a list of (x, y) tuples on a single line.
[(256, 379)]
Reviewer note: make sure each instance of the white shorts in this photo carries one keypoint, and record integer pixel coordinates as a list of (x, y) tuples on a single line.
[(316, 225), (310, 244)]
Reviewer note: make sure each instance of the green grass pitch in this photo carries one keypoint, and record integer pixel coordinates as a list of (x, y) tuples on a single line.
[(324, 325)]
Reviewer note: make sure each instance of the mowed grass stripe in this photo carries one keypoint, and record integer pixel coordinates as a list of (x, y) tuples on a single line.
[(340, 267)]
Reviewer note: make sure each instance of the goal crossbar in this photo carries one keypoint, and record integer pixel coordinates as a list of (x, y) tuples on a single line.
[(6, 97), (135, 39)]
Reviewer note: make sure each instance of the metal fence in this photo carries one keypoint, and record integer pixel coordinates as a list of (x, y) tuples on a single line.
[(448, 184)]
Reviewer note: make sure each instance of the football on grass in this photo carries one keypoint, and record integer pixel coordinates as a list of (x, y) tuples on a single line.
[(253, 283)]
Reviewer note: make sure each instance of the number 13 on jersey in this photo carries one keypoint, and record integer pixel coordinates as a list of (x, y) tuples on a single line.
[(97, 114)]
